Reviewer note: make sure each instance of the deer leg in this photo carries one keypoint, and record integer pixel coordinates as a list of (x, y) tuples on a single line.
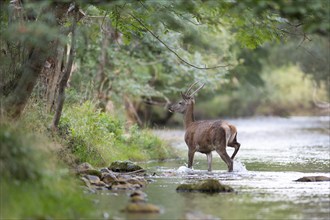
[(209, 161), (225, 157), (236, 146), (190, 158)]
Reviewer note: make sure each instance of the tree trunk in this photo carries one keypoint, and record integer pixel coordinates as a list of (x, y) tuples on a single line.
[(15, 103), (53, 78), (66, 75)]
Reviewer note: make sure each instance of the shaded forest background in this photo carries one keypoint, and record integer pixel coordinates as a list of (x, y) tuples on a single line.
[(256, 57)]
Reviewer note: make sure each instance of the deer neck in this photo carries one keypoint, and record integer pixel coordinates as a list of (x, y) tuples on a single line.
[(189, 116)]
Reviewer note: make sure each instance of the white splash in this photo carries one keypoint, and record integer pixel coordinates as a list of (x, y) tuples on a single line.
[(239, 167), (184, 169)]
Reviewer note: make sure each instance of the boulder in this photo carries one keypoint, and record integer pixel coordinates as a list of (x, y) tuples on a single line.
[(83, 167), (141, 207), (109, 178), (206, 186), (313, 179), (93, 179), (124, 166), (86, 168)]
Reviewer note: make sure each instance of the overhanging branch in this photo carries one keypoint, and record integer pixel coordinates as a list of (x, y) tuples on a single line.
[(171, 50)]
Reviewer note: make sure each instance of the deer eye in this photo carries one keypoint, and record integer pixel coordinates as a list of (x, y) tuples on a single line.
[(180, 103)]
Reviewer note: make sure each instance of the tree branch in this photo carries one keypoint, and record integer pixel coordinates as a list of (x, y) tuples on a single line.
[(177, 55)]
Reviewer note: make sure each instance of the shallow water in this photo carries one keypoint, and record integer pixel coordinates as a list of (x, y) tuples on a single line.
[(274, 152)]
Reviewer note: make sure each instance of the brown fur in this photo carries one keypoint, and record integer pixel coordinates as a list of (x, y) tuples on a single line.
[(206, 136)]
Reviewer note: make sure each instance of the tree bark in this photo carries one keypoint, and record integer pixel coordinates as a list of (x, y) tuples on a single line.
[(15, 103), (66, 76), (52, 79)]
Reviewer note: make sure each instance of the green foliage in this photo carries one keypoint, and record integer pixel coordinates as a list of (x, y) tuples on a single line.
[(286, 91), (99, 138), (32, 186), (20, 159), (52, 198)]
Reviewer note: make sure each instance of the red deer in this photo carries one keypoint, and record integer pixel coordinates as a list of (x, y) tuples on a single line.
[(207, 135)]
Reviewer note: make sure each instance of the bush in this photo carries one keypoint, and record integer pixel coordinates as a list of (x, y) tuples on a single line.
[(19, 158), (33, 184), (99, 138)]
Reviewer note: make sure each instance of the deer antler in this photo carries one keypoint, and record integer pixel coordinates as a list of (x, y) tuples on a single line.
[(197, 89), (189, 89)]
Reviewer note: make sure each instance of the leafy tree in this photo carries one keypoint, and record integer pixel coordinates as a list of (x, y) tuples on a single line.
[(183, 39)]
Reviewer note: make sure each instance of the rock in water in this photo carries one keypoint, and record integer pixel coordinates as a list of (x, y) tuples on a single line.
[(206, 186), (142, 208), (313, 179), (124, 166)]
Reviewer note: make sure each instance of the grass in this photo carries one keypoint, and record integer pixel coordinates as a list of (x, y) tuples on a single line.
[(99, 138), (33, 183)]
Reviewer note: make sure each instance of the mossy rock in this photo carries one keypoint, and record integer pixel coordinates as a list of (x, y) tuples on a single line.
[(206, 186), (93, 173), (86, 168), (313, 179), (124, 166)]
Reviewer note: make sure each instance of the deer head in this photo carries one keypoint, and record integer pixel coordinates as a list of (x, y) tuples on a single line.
[(187, 100)]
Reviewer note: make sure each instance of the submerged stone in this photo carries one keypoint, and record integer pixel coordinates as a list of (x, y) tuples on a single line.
[(138, 196), (207, 186), (124, 166), (313, 179), (142, 207)]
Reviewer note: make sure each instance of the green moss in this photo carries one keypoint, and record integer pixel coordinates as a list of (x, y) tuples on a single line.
[(124, 166), (207, 186)]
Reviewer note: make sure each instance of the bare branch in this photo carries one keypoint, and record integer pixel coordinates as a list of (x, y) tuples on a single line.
[(177, 55)]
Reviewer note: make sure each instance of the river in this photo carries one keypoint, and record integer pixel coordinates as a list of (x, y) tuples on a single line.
[(274, 152)]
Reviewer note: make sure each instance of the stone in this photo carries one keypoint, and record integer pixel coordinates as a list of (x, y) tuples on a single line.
[(141, 207), (123, 185), (86, 168), (92, 179), (124, 166), (138, 196), (86, 182), (138, 193), (105, 170), (206, 186), (93, 173), (313, 179), (81, 168), (109, 178), (137, 199), (137, 180)]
